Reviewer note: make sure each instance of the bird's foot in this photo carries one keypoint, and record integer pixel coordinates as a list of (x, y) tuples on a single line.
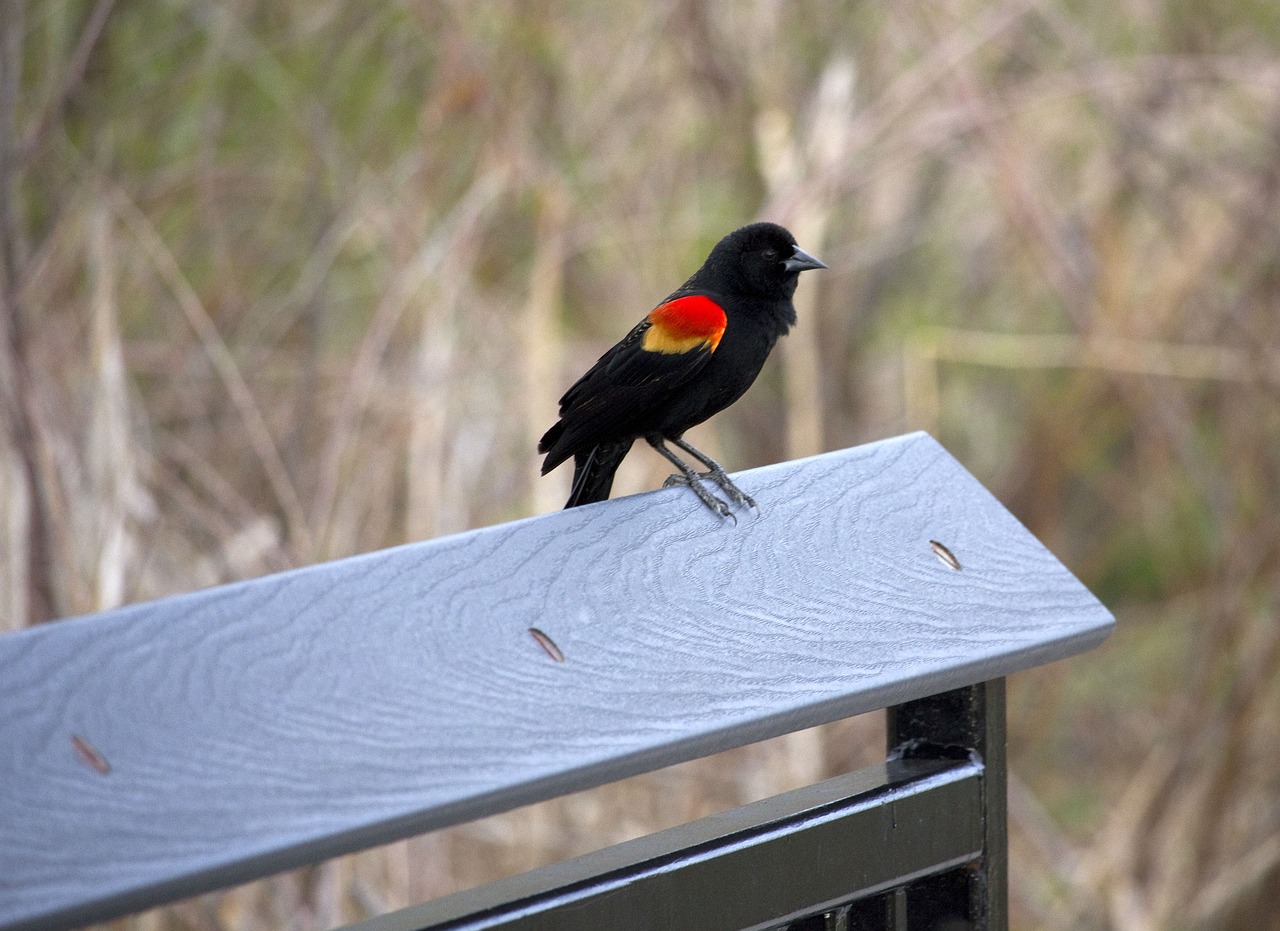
[(736, 494), (733, 491), (706, 497)]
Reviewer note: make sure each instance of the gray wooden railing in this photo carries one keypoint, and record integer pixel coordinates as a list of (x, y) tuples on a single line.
[(169, 748)]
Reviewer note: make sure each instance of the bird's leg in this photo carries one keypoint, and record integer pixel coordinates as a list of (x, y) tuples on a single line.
[(717, 474), (691, 478)]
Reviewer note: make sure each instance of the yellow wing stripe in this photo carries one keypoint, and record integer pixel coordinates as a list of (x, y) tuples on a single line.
[(659, 340)]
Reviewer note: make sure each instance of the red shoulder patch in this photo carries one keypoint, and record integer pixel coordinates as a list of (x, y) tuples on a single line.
[(685, 324)]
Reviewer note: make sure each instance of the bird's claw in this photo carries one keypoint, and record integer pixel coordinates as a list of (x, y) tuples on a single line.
[(736, 494), (733, 491), (710, 500)]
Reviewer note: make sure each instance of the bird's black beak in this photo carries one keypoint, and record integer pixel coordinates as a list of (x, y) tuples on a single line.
[(802, 261)]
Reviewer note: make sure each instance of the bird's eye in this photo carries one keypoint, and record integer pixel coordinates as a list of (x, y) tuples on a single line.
[(770, 255)]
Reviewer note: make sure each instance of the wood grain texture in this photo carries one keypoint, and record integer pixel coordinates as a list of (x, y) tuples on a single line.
[(258, 726)]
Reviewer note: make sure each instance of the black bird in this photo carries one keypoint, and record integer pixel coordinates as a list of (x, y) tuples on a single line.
[(693, 355)]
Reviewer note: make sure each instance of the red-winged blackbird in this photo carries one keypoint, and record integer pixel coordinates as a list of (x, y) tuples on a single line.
[(691, 357)]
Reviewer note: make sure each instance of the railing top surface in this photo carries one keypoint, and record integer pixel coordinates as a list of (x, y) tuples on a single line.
[(166, 748)]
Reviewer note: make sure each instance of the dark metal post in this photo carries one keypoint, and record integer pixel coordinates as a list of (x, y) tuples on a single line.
[(949, 725)]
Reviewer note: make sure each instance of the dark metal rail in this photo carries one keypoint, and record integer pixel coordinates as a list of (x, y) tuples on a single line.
[(917, 843)]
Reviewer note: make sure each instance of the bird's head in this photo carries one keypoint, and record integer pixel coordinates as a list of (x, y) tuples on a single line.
[(762, 259)]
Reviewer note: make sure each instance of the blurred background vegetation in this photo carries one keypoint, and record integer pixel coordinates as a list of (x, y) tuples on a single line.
[(288, 281)]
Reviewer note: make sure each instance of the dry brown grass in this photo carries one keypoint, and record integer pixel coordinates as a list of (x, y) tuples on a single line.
[(284, 282)]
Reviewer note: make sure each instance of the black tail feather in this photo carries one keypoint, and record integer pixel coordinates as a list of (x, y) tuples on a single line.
[(593, 472)]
